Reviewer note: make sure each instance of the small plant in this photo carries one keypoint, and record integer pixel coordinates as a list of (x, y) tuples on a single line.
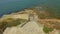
[(47, 30)]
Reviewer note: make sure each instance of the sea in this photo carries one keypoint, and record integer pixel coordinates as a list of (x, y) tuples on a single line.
[(11, 6)]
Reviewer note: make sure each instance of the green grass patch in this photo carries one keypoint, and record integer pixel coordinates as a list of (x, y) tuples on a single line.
[(47, 30), (13, 22)]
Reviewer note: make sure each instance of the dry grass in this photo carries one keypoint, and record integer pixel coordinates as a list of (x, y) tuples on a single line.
[(51, 23)]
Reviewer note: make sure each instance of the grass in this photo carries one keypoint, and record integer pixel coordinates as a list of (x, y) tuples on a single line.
[(47, 30), (12, 22)]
